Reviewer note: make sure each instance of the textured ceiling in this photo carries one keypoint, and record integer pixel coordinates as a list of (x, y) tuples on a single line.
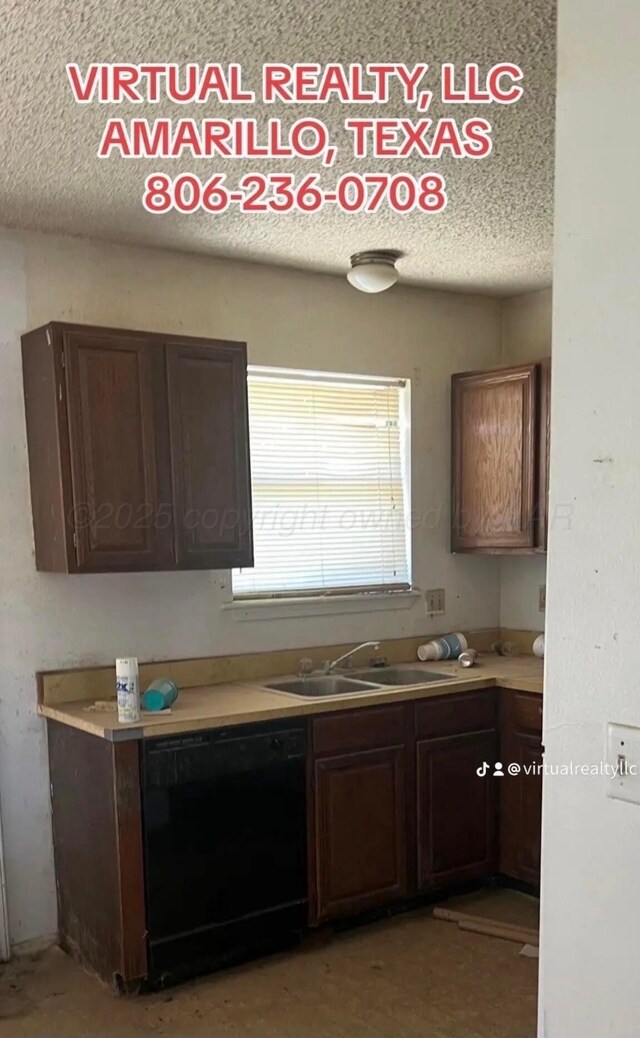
[(495, 235)]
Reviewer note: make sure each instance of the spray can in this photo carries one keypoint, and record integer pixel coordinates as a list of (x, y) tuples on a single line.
[(128, 690), (467, 658)]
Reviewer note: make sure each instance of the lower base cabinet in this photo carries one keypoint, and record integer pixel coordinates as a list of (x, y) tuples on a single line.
[(358, 811), (456, 807), (521, 795), (457, 820), (399, 804), (360, 830), (395, 808)]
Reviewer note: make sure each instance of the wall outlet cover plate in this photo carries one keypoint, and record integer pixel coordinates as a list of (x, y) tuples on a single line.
[(434, 601), (623, 760)]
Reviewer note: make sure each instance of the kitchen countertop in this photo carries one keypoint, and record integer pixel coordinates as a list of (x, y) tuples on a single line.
[(242, 702)]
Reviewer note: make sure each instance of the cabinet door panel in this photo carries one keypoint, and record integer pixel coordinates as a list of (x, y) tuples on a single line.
[(494, 459), (544, 443), (360, 831), (122, 513), (210, 454), (530, 811), (456, 809), (521, 808)]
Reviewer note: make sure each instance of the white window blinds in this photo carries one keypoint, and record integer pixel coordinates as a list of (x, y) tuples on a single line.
[(329, 485)]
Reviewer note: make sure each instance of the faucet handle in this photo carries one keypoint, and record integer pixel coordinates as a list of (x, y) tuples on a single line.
[(305, 667)]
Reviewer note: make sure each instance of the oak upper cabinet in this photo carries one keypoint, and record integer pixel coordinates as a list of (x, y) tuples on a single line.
[(499, 460), (138, 450), (521, 795), (358, 836), (456, 808)]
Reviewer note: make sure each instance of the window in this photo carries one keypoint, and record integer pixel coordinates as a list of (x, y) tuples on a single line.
[(330, 484)]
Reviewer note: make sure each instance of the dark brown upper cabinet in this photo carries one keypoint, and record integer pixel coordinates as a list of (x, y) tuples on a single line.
[(138, 450), (209, 455), (116, 452), (500, 432)]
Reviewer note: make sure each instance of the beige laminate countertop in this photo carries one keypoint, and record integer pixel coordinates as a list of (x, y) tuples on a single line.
[(216, 706)]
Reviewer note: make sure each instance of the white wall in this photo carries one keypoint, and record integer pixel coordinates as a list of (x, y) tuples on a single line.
[(591, 845), (290, 319), (526, 336), (526, 327)]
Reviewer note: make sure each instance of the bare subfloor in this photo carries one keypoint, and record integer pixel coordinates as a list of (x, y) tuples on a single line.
[(409, 976)]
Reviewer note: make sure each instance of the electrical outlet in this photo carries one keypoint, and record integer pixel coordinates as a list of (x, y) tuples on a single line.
[(434, 600), (542, 598)]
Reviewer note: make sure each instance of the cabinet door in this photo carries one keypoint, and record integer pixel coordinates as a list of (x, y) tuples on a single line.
[(544, 442), (521, 808), (210, 454), (360, 831), (457, 820), (494, 454), (116, 401)]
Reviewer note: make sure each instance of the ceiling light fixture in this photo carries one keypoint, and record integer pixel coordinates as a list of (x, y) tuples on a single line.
[(373, 271)]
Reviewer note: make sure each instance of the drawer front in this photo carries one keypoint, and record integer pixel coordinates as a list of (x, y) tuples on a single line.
[(455, 714), (522, 710), (359, 729)]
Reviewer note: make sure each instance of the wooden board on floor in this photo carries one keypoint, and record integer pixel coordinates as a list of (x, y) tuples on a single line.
[(508, 914), (500, 904)]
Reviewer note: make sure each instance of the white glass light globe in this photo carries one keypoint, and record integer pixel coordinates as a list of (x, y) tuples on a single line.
[(372, 277), (373, 270)]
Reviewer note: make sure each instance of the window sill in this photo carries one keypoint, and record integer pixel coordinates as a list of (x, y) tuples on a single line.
[(335, 605)]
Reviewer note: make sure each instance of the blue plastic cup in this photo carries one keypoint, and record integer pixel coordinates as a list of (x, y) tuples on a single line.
[(160, 695)]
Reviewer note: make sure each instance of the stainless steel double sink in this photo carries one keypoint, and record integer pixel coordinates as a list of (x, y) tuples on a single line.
[(318, 686)]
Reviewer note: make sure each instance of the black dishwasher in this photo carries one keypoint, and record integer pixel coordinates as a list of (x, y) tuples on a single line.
[(224, 817)]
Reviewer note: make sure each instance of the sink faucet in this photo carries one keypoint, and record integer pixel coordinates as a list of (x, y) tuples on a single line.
[(329, 666)]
